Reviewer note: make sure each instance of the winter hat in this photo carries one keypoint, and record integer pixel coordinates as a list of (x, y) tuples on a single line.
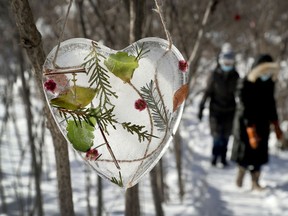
[(263, 65), (226, 55), (262, 58)]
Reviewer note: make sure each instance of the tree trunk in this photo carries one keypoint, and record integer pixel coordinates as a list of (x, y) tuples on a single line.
[(88, 189), (100, 197), (32, 42), (103, 22), (211, 7), (7, 99), (178, 156), (136, 10), (161, 182), (132, 204), (81, 15), (157, 195), (31, 138), (139, 19)]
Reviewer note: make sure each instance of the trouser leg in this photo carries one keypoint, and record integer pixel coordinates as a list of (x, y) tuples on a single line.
[(224, 144), (216, 150)]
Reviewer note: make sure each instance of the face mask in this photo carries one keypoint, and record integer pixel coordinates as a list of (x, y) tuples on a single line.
[(265, 77), (226, 68)]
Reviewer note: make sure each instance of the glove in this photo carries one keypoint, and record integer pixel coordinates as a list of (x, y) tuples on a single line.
[(200, 114), (277, 129), (201, 108), (252, 136)]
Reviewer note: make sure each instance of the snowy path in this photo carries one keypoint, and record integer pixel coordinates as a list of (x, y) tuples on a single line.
[(209, 191), (222, 197)]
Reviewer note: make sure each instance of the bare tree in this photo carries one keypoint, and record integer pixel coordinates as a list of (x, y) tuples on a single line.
[(178, 156), (99, 196), (29, 121), (32, 43), (7, 103), (132, 203), (155, 175)]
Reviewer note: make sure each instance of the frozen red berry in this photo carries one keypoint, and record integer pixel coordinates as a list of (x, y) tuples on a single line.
[(183, 65), (50, 85), (140, 104), (92, 154)]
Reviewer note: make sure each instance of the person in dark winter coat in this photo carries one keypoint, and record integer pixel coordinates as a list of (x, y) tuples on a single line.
[(256, 110), (221, 86)]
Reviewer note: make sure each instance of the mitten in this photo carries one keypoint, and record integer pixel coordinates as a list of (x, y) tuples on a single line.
[(252, 136), (277, 129)]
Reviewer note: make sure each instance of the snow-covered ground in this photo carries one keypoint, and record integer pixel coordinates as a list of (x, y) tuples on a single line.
[(222, 197), (209, 191)]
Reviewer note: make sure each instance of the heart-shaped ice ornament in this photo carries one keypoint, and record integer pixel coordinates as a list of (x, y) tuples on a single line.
[(117, 109)]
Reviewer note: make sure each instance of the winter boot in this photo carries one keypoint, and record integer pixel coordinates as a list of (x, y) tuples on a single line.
[(224, 161), (255, 181), (240, 176), (223, 154), (214, 160)]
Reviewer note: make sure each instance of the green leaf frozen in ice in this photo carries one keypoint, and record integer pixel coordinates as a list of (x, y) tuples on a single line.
[(80, 134), (122, 65), (74, 98)]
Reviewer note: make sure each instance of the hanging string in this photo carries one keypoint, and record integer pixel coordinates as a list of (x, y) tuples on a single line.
[(168, 36), (62, 32)]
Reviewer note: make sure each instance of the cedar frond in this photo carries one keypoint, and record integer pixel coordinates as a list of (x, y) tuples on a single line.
[(99, 76), (160, 113)]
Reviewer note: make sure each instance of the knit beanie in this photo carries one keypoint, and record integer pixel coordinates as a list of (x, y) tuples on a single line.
[(226, 56)]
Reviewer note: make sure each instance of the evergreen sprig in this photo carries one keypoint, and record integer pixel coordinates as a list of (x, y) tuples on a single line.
[(77, 115), (104, 118), (160, 114), (118, 182), (140, 51), (138, 129), (99, 76)]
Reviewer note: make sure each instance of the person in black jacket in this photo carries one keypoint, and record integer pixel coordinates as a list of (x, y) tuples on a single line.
[(221, 86), (256, 110)]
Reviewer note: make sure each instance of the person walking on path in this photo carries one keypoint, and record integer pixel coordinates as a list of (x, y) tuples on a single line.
[(221, 86), (256, 111)]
